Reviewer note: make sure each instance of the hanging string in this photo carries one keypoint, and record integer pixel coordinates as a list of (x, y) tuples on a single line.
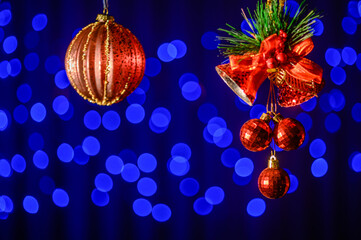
[(106, 7)]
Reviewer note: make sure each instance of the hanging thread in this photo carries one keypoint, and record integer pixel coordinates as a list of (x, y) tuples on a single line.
[(106, 6)]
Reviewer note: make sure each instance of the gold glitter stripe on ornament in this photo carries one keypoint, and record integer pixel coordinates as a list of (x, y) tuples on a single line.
[(72, 60), (85, 49), (107, 68)]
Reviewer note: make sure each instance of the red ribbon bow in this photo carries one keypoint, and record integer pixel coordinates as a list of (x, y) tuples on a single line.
[(297, 78)]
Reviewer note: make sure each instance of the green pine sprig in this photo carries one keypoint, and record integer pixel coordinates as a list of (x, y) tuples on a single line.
[(265, 21)]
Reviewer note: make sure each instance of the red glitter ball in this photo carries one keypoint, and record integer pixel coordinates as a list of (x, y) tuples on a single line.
[(289, 134), (273, 183), (256, 135)]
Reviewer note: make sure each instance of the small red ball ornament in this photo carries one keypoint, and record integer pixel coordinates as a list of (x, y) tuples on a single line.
[(281, 57), (288, 133), (271, 63), (256, 134), (273, 182), (105, 62)]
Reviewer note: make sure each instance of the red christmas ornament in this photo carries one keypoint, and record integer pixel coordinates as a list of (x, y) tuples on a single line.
[(273, 182), (288, 133), (281, 57), (271, 63), (105, 62), (256, 134)]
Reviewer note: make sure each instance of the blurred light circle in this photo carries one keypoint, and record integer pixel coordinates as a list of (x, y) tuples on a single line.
[(80, 157), (40, 159), (103, 182), (214, 195), (5, 168), (182, 150), (337, 100), (60, 197), (92, 120), (324, 103), (358, 61), (167, 52), (333, 57), (91, 146), (15, 66), (207, 111), (356, 162), (30, 204), (275, 147), (129, 155), (178, 168), (114, 165), (207, 136), (38, 112), (61, 105), (319, 167), (138, 96), (181, 48), (317, 148), (229, 157), (144, 84), (338, 75), (52, 64), (292, 8), (99, 198), (349, 55), (147, 186), (135, 113), (210, 41), (189, 187), (5, 17), (147, 162), (36, 141), (159, 120), (46, 185), (216, 123), (241, 181), (2, 34), (31, 61), (61, 79), (152, 67), (309, 105), (10, 44), (241, 105), (317, 27), (31, 40), (222, 137), (65, 152), (305, 119), (18, 163), (39, 22), (69, 114), (9, 205), (256, 207), (353, 9), (293, 183), (187, 77), (142, 207), (257, 111), (244, 167), (202, 207), (332, 123), (76, 31), (349, 25), (191, 91), (111, 120), (24, 93), (246, 29), (130, 172), (161, 212), (5, 69), (356, 112), (4, 121)]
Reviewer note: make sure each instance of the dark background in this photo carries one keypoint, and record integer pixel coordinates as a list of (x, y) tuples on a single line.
[(321, 208)]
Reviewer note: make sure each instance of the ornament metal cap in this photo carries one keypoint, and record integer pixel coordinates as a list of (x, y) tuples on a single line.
[(266, 117), (273, 162), (277, 118), (104, 18)]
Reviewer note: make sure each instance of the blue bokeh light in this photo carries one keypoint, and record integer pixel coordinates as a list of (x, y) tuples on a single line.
[(182, 150), (111, 120), (210, 41), (338, 75), (61, 105), (114, 165), (256, 207), (9, 205), (99, 198), (18, 163), (161, 212), (60, 197), (181, 48), (317, 148), (349, 55), (152, 67), (246, 29), (244, 167), (61, 79), (38, 112), (80, 157), (15, 66), (214, 195), (353, 9), (333, 57), (4, 120), (189, 187), (257, 111), (40, 159), (202, 207), (39, 22), (10, 44), (191, 91), (103, 182), (241, 105), (167, 52), (356, 112), (5, 168), (91, 146), (5, 17), (305, 119), (65, 152), (319, 167), (147, 162), (317, 27), (145, 84), (229, 157), (332, 123), (142, 207), (52, 64), (138, 96), (30, 204), (69, 114), (324, 103), (31, 61), (309, 105), (24, 93), (292, 8), (336, 100), (207, 111), (293, 183), (178, 166), (5, 69), (222, 137), (187, 77), (241, 181), (92, 120), (46, 185), (130, 172), (147, 186), (36, 141), (349, 25), (135, 113), (216, 123), (356, 161)]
